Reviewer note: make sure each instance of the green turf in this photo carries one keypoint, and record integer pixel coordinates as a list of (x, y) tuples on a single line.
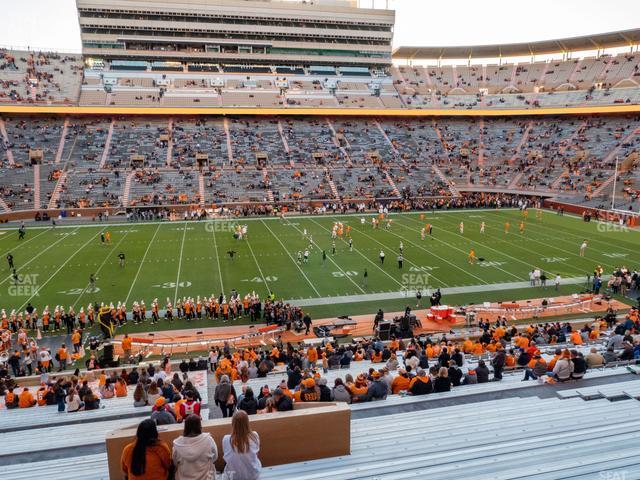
[(171, 260)]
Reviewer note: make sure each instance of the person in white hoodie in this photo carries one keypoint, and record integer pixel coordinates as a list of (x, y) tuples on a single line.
[(194, 453)]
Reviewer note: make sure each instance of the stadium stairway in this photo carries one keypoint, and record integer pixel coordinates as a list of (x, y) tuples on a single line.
[(391, 183), (442, 176), (36, 186), (107, 145), (63, 136), (4, 208), (55, 195), (5, 137)]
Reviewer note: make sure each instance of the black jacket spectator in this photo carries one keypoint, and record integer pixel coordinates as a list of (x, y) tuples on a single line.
[(482, 372), (442, 384)]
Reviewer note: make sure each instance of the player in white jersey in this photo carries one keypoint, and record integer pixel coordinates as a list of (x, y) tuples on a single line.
[(583, 248), (461, 228), (482, 227)]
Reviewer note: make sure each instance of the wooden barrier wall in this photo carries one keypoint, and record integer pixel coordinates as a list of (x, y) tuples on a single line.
[(309, 432)]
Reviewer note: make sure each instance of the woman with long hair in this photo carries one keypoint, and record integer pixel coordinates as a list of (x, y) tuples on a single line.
[(139, 396), (194, 453), (241, 449), (153, 393), (146, 458)]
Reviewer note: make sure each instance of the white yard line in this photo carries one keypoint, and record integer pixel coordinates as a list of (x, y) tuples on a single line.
[(104, 262), (375, 264), (258, 265), (40, 287), (22, 244), (332, 261), (293, 260), (514, 235), (35, 257), (215, 244), (573, 254), (441, 258), (592, 239), (528, 265), (135, 279), (184, 234), (464, 252), (392, 249)]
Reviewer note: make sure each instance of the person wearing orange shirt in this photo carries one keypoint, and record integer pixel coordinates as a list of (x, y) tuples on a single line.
[(467, 346), (126, 346), (510, 360), (121, 388), (576, 338), (150, 462), (10, 399), (376, 357), (41, 395), (401, 382), (312, 356), (552, 363), (26, 399), (76, 339), (63, 355)]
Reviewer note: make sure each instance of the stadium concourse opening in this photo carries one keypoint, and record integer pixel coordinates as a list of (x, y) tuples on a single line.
[(251, 239)]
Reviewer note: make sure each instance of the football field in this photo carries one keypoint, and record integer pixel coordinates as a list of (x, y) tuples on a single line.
[(189, 259)]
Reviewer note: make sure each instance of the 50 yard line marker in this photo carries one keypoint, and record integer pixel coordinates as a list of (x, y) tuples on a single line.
[(135, 279), (184, 234), (215, 244)]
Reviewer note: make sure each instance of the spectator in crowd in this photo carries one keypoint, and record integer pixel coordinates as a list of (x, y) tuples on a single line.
[(610, 356), (563, 367), (420, 384), (225, 396), (482, 372), (139, 396), (91, 401), (146, 458), (537, 370), (74, 404), (190, 406), (161, 414), (26, 399), (376, 390), (340, 392), (443, 382), (248, 403), (194, 452), (240, 449), (594, 359), (579, 367), (281, 402)]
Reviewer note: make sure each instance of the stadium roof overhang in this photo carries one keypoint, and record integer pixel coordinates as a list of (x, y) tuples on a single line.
[(623, 38)]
